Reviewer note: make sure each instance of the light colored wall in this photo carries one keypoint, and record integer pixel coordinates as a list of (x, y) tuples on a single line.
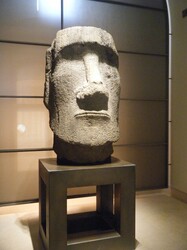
[(24, 129), (179, 96)]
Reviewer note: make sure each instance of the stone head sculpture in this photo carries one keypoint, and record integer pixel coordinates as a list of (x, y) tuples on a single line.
[(82, 91)]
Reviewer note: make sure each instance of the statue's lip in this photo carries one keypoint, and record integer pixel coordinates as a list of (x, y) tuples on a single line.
[(93, 114)]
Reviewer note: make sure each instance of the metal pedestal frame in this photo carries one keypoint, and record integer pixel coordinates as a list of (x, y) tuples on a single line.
[(111, 226)]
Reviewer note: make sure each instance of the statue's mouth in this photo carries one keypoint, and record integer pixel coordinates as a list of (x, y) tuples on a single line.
[(93, 114), (92, 103)]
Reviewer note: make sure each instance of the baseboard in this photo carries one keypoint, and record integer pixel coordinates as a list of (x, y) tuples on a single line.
[(153, 192), (179, 195)]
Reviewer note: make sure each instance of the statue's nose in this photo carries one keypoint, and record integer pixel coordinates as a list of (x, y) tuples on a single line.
[(93, 74)]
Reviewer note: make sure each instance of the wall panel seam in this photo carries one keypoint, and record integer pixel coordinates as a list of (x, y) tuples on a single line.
[(142, 53), (16, 96), (24, 150), (131, 5), (25, 43)]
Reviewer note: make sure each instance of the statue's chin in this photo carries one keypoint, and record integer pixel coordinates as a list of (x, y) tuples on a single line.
[(87, 136), (81, 154)]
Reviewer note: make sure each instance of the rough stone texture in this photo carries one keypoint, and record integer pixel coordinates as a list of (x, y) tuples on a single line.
[(82, 91)]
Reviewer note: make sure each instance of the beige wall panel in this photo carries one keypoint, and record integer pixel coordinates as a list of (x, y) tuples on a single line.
[(19, 175), (133, 29), (82, 191), (142, 76), (30, 21), (24, 124), (151, 167), (22, 69), (142, 122), (24, 121)]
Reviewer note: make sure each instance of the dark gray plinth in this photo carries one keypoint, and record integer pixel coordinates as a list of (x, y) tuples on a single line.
[(111, 226)]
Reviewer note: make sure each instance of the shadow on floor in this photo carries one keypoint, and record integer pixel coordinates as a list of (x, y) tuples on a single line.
[(31, 221)]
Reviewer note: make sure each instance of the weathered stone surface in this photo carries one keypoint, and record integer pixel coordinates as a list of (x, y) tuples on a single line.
[(82, 91)]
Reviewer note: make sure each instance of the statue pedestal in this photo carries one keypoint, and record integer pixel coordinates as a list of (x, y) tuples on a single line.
[(111, 226)]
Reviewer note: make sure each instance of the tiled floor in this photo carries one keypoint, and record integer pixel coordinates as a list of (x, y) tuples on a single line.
[(161, 223)]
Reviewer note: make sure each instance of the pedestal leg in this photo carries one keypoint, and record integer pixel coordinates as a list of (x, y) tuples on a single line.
[(57, 214)]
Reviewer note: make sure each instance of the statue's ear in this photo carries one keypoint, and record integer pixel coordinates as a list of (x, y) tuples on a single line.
[(48, 72), (47, 76)]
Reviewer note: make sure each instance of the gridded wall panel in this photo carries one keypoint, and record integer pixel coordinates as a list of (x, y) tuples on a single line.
[(133, 29), (139, 28), (142, 122), (150, 161), (26, 31), (25, 124), (143, 77), (19, 175), (33, 21), (22, 69)]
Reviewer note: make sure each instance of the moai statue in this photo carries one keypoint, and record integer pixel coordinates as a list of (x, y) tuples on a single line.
[(82, 89)]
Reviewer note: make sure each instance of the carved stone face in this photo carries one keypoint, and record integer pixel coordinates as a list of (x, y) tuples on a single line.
[(84, 86)]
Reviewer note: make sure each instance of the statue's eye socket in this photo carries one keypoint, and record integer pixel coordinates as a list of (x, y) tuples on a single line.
[(109, 57), (73, 52), (78, 50)]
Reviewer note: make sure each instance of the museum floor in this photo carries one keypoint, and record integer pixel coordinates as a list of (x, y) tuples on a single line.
[(161, 223)]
